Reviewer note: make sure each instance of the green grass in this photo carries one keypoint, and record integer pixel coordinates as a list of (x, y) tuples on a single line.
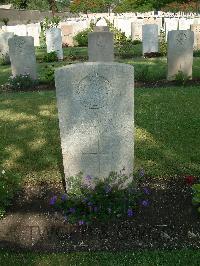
[(146, 258), (167, 133)]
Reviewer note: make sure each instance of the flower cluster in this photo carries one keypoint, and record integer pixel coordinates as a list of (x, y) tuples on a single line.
[(101, 200)]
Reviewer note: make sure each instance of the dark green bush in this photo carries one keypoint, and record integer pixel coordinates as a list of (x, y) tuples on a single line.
[(196, 53), (50, 57), (163, 44), (9, 185), (196, 196), (136, 42), (22, 82), (125, 49), (81, 38), (4, 60), (49, 73)]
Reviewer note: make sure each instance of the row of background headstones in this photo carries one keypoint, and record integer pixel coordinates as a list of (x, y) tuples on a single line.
[(131, 26)]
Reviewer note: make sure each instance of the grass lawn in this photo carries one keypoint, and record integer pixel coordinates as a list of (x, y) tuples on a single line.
[(146, 258), (167, 136)]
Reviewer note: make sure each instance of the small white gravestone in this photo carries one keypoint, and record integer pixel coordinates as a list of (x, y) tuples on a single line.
[(4, 48), (101, 25), (196, 29), (54, 42), (100, 47), (22, 56), (180, 53), (95, 109), (136, 29), (34, 31), (150, 38)]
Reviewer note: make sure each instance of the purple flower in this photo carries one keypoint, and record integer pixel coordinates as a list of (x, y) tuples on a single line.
[(141, 172), (81, 222), (95, 209), (64, 197), (88, 177), (107, 189), (130, 212), (146, 191), (145, 203), (72, 210), (53, 200)]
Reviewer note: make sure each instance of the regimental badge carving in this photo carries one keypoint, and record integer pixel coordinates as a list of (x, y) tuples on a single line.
[(93, 91)]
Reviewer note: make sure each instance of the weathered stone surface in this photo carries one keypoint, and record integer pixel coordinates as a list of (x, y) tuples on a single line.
[(136, 30), (67, 35), (101, 28), (54, 42), (170, 24), (196, 29), (95, 108), (34, 31), (22, 56), (100, 47), (180, 53), (4, 48), (150, 38)]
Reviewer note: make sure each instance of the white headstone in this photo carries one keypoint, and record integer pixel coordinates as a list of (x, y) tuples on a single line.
[(150, 38), (34, 31), (22, 56), (54, 42), (95, 109), (180, 53), (4, 48), (100, 47)]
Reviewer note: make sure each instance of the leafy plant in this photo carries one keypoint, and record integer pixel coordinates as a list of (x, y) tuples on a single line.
[(163, 44), (21, 82), (5, 21), (90, 200), (9, 185), (136, 42), (81, 38), (181, 78), (50, 22), (49, 73), (4, 60), (196, 53), (196, 196), (125, 49), (50, 57)]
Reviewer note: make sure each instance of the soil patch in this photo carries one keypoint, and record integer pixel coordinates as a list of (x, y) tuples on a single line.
[(169, 222)]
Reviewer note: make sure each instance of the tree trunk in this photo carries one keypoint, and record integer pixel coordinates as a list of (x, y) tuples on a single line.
[(53, 7)]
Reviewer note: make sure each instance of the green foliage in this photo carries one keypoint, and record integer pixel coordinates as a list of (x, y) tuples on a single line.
[(9, 185), (82, 37), (125, 49), (4, 60), (181, 78), (50, 22), (5, 21), (163, 44), (90, 200), (21, 82), (49, 73), (196, 196), (50, 57), (136, 42), (196, 53)]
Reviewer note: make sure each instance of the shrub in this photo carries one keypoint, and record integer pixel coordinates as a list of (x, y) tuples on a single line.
[(196, 53), (181, 78), (49, 73), (4, 60), (125, 49), (22, 82), (9, 185), (50, 22), (163, 44), (50, 57), (93, 200), (136, 42), (196, 196), (82, 37)]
